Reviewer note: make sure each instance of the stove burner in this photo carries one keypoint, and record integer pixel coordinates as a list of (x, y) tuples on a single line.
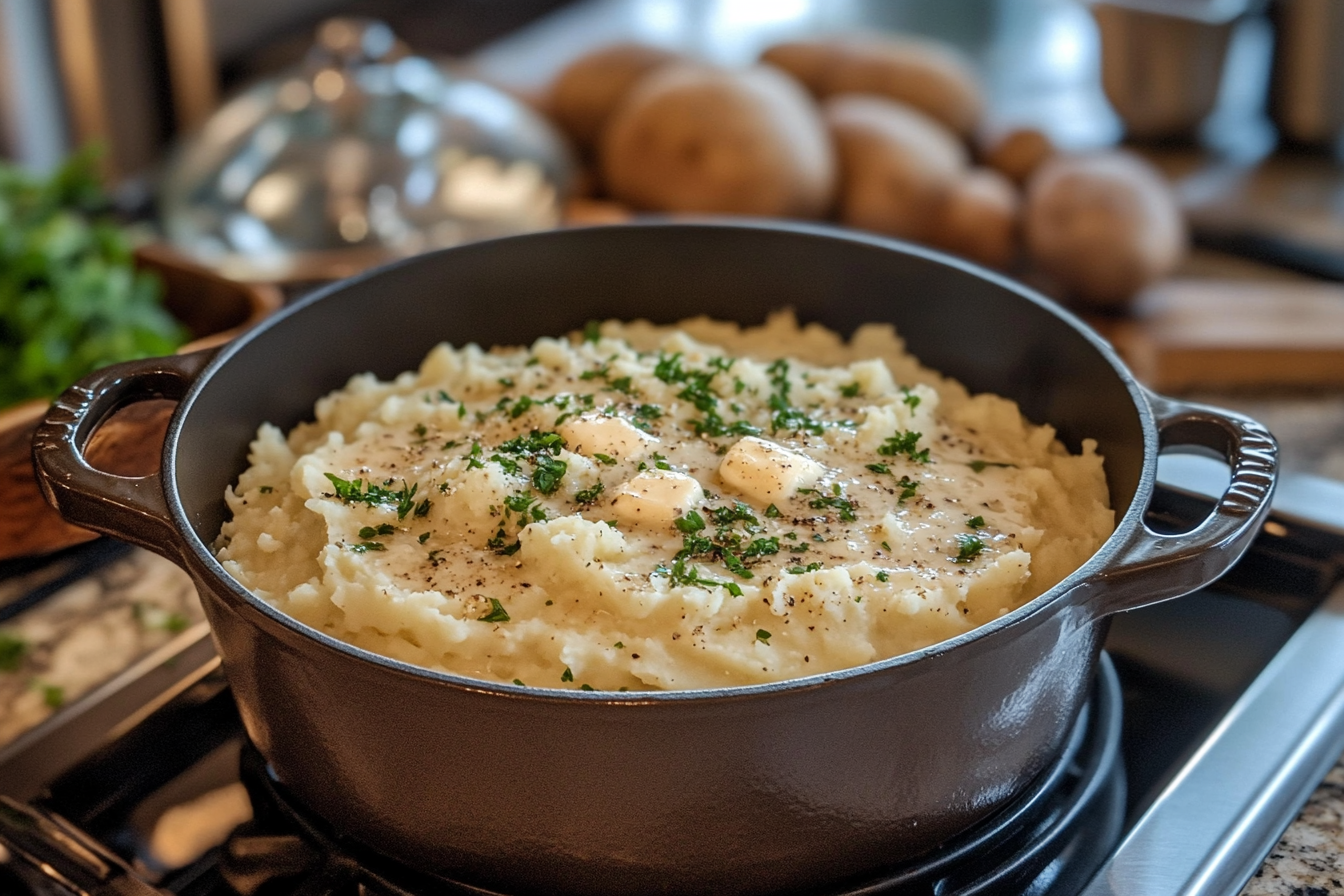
[(1048, 841)]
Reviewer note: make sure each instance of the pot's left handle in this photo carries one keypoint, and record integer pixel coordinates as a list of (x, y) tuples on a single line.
[(1149, 567), (132, 508)]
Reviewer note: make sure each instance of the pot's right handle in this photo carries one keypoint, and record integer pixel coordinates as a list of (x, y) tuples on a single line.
[(132, 508), (1149, 567)]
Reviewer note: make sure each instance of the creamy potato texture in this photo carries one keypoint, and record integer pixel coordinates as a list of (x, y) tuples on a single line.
[(654, 508)]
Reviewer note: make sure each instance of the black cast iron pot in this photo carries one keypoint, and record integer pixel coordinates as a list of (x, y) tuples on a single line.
[(750, 789)]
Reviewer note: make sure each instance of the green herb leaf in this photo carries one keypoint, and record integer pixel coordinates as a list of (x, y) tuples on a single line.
[(13, 648), (691, 522), (851, 390), (772, 512), (497, 612), (763, 636), (605, 459), (968, 548), (592, 331), (906, 443), (975, 522), (588, 495), (367, 546), (883, 577), (567, 675)]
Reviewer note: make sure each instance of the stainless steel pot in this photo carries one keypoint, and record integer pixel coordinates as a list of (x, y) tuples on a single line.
[(749, 789)]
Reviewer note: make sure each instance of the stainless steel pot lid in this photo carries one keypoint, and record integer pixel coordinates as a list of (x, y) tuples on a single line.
[(361, 154)]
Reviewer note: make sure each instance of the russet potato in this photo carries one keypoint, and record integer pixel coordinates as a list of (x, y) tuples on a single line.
[(1102, 226), (897, 165), (699, 138), (979, 219), (585, 92), (927, 75)]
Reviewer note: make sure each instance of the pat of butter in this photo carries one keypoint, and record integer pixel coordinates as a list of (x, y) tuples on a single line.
[(599, 434), (656, 498), (767, 472)]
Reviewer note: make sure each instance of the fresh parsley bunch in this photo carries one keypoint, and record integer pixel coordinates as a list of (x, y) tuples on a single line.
[(71, 299)]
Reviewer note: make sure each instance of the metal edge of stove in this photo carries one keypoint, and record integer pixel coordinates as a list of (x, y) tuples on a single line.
[(1214, 825), (62, 741)]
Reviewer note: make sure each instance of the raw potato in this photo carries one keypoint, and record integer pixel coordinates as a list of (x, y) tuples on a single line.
[(979, 219), (928, 75), (1103, 226), (585, 93), (697, 138), (1018, 153), (897, 166)]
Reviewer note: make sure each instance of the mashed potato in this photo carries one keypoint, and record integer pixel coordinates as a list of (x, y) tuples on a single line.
[(654, 508)]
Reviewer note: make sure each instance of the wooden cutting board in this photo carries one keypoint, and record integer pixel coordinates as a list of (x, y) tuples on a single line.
[(1214, 334)]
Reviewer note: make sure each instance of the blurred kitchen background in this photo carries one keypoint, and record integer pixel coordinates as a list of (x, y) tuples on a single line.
[(1238, 103)]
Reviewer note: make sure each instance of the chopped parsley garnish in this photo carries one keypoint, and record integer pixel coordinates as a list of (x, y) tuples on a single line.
[(266, 489), (588, 495), (53, 695), (697, 390), (519, 682), (524, 504), (506, 382), (799, 570), (605, 459), (591, 333), (906, 443), (356, 492), (726, 516), (370, 532), (851, 390), (760, 547), (497, 612), (424, 537), (907, 485), (691, 522), (911, 400), (586, 687), (420, 431), (474, 457), (975, 522), (763, 636), (13, 648), (835, 500), (434, 556), (500, 544), (618, 645), (521, 407), (979, 465), (680, 573), (883, 577), (772, 511), (367, 546), (535, 442), (567, 675), (548, 473), (968, 547)]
